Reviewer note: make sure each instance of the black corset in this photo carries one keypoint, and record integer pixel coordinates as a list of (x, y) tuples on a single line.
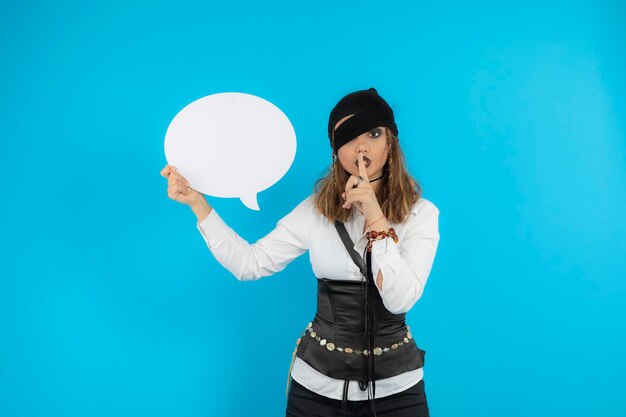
[(341, 323)]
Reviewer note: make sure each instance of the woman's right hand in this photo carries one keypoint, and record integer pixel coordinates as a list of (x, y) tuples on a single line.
[(178, 188)]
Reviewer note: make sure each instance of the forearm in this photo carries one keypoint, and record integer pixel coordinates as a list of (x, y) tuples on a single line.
[(399, 286), (403, 288), (403, 267), (244, 260), (378, 223), (266, 256), (201, 209)]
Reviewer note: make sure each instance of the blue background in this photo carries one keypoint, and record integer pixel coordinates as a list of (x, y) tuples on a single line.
[(512, 117)]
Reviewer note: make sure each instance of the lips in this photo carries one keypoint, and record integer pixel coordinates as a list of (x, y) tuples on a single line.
[(366, 160)]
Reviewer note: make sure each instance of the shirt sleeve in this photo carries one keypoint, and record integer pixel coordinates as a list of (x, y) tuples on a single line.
[(266, 256), (406, 265)]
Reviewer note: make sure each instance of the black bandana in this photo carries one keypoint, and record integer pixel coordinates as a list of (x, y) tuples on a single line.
[(370, 110)]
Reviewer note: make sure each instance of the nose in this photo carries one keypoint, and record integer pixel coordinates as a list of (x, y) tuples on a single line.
[(361, 144)]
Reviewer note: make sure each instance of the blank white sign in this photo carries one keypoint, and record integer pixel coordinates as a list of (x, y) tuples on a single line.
[(231, 145)]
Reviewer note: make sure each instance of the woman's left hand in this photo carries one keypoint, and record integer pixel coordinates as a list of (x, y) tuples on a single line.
[(363, 195)]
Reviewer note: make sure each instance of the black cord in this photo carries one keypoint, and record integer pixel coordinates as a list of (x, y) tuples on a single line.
[(344, 402), (369, 318)]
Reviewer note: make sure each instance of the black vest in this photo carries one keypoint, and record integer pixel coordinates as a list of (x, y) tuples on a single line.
[(335, 343)]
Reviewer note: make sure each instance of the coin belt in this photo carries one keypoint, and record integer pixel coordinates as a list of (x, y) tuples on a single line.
[(331, 346)]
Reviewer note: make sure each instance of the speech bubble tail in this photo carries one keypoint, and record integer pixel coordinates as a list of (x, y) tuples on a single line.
[(250, 202)]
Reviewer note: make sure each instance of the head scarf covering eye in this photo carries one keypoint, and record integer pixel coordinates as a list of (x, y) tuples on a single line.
[(370, 110)]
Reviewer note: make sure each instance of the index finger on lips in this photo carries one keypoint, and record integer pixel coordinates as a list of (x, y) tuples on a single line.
[(350, 183), (362, 170)]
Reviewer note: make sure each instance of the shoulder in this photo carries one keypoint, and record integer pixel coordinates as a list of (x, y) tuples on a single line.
[(423, 220), (307, 204), (304, 207), (423, 209)]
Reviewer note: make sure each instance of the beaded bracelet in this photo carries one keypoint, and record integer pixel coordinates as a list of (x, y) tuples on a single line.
[(374, 235)]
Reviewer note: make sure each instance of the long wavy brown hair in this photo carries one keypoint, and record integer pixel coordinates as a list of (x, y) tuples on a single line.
[(396, 195)]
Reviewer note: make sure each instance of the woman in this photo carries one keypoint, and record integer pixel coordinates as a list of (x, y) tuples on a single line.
[(372, 240)]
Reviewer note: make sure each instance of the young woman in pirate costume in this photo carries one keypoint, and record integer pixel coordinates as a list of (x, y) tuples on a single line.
[(372, 240)]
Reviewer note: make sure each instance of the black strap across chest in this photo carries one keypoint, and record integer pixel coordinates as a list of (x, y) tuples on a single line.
[(345, 238)]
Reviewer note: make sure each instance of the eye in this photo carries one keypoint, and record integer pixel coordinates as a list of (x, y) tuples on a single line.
[(375, 133)]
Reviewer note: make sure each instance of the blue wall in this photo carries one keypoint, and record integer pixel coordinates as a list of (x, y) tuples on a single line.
[(512, 116)]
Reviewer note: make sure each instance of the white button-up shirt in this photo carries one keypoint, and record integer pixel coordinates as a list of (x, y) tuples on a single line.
[(405, 267)]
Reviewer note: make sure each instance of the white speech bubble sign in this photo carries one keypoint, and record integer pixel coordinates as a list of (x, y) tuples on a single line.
[(231, 145)]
